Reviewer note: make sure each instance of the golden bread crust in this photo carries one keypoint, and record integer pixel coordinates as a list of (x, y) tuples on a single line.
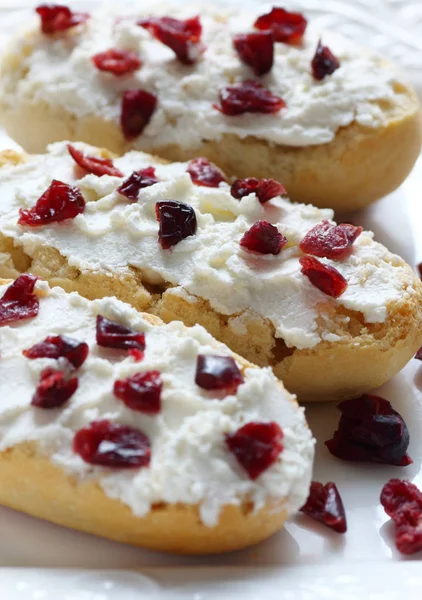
[(31, 483)]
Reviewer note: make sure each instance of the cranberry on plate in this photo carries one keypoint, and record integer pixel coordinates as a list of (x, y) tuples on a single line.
[(324, 504), (402, 501)]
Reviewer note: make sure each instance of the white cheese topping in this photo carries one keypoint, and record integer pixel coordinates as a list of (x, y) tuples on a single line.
[(59, 71), (190, 462), (114, 234)]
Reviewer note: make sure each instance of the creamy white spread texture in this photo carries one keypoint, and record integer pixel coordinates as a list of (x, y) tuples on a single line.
[(190, 462), (58, 70), (114, 234)]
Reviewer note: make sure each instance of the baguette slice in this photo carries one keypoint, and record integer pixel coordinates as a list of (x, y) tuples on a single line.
[(261, 305), (193, 496), (342, 142)]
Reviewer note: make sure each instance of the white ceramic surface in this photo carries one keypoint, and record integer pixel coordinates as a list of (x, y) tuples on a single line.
[(306, 561)]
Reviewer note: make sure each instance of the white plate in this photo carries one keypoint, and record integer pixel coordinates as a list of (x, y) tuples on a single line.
[(305, 561)]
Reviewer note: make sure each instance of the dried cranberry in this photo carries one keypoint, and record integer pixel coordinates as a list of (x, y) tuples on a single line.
[(203, 172), (137, 181), (420, 269), (215, 372), (402, 501), (92, 164), (329, 240), (177, 222), (325, 278), (112, 445), (183, 37), (136, 354), (113, 335), (248, 97), (55, 17), (54, 389), (118, 62), (140, 392), (265, 189), (324, 62), (418, 354), (256, 50), (19, 301), (256, 446), (287, 27), (138, 107), (59, 202), (264, 238), (324, 504), (370, 430), (59, 346)]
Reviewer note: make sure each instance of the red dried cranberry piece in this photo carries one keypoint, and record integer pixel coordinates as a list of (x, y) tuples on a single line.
[(265, 189), (324, 504), (264, 238), (329, 240), (92, 164), (54, 389), (324, 62), (256, 446), (19, 301), (55, 17), (136, 354), (118, 62), (418, 354), (256, 50), (113, 335), (370, 430), (141, 392), (402, 501), (203, 172), (59, 346), (112, 445), (59, 202), (138, 107), (177, 222), (396, 493), (248, 97), (325, 278), (215, 372), (137, 181), (287, 27), (183, 37), (419, 266)]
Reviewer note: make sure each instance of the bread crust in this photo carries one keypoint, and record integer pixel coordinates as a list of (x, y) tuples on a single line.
[(31, 483), (361, 164)]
